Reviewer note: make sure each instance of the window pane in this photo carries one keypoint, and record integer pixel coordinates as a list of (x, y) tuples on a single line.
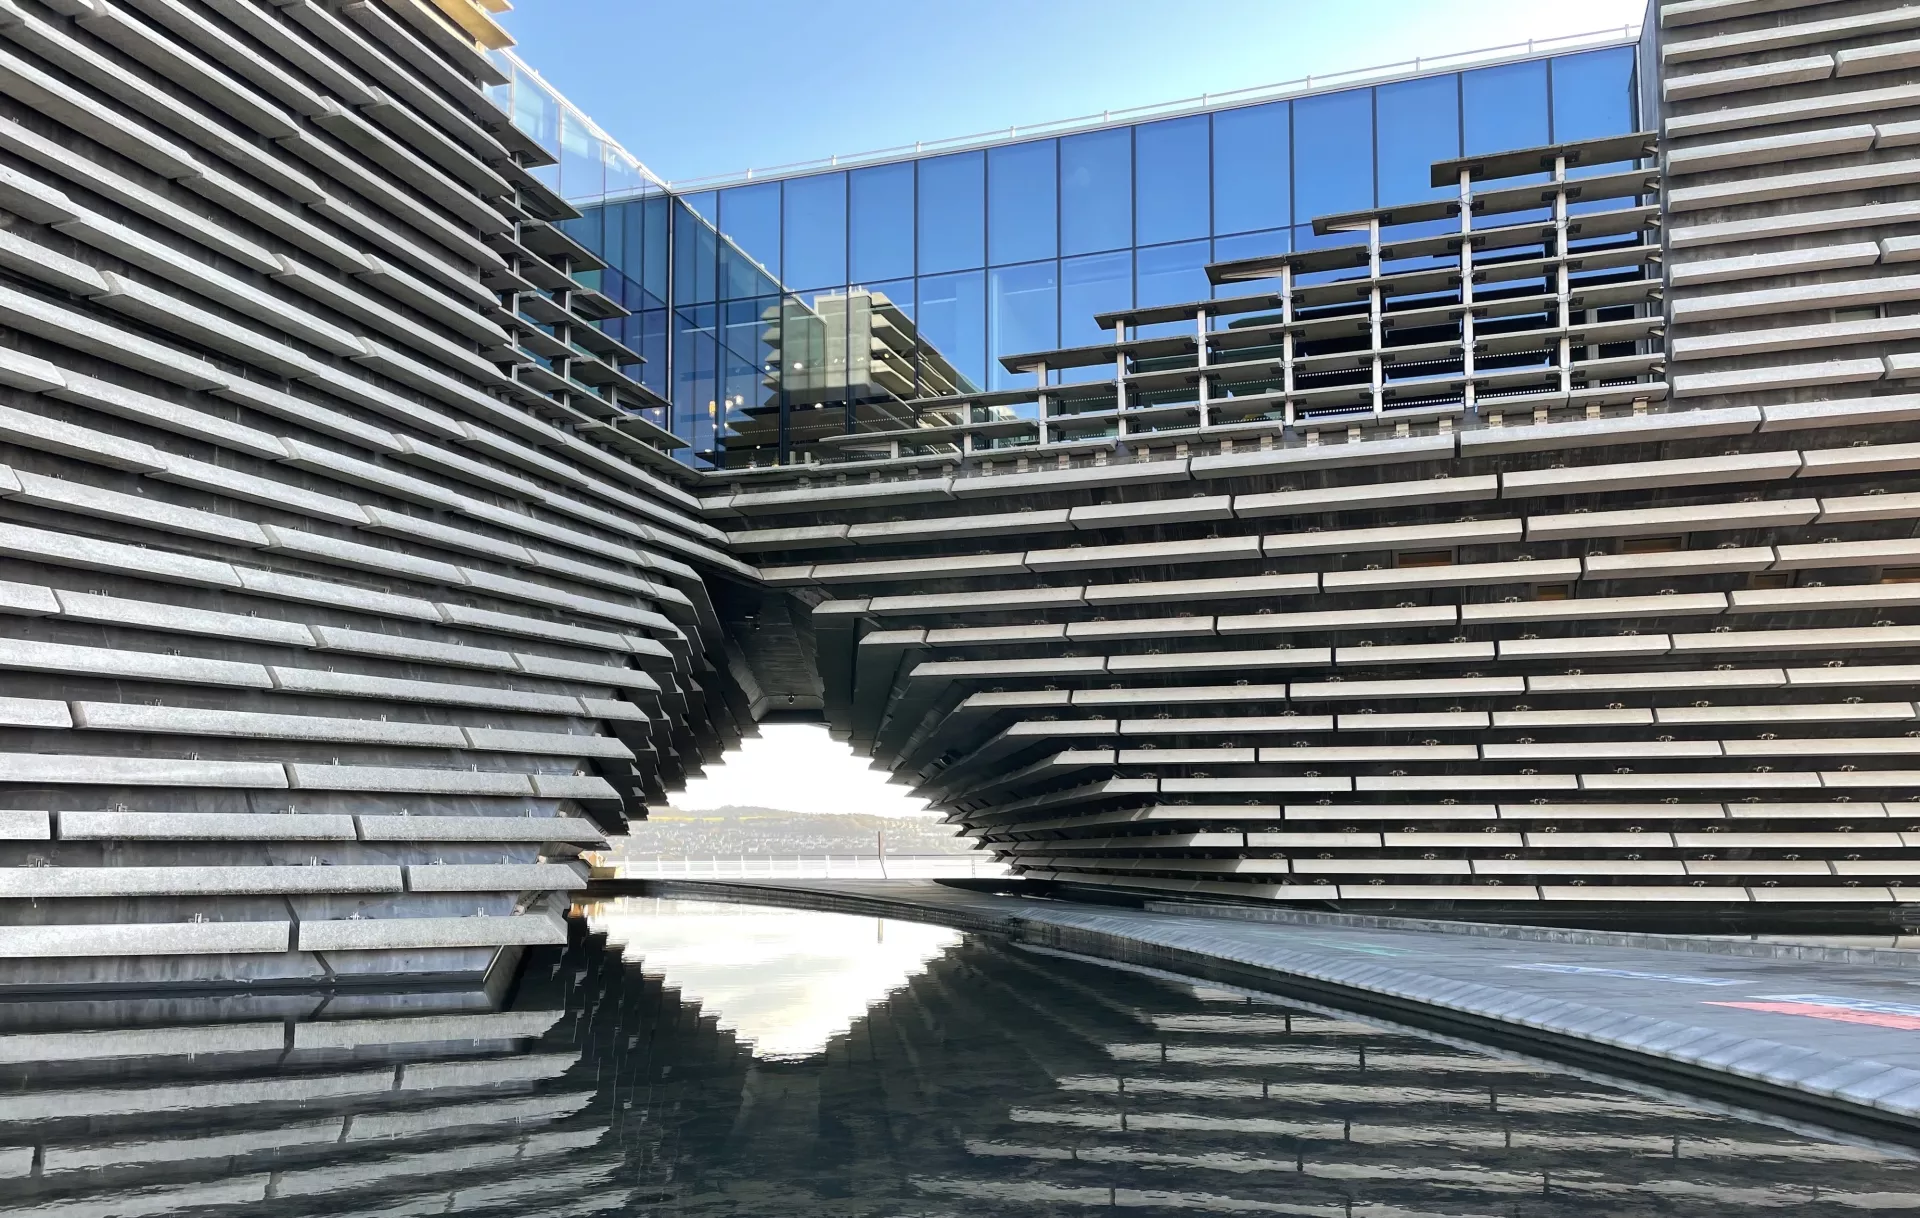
[(583, 172), (743, 353), (1101, 283), (1593, 95), (952, 318), (623, 175), (1506, 107), (740, 275), (536, 113), (1250, 161), (705, 203), (889, 368), (1171, 274), (815, 233), (813, 349), (695, 252), (1170, 180), (882, 227), (647, 334), (654, 241), (1419, 124), (1021, 211), (1332, 154), (1249, 245), (751, 216), (696, 390), (1023, 315), (952, 212), (1096, 191), (895, 295)]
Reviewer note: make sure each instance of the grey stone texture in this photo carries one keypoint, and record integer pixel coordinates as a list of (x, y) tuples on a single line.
[(269, 472)]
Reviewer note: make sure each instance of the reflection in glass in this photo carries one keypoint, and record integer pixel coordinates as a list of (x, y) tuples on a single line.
[(741, 275), (1251, 153), (1021, 202), (952, 204), (1170, 274), (583, 171), (881, 228), (537, 113), (1419, 123), (654, 244), (1505, 107), (1022, 317), (1250, 245), (1170, 180), (750, 215), (952, 316), (786, 981), (1332, 153), (696, 366), (815, 232), (696, 250), (623, 174), (705, 202), (1098, 283), (647, 334), (1096, 191), (1593, 95)]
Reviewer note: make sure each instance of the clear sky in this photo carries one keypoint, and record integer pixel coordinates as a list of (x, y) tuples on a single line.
[(724, 85), (797, 767)]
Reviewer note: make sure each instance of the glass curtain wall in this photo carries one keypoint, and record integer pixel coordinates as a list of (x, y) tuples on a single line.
[(834, 297)]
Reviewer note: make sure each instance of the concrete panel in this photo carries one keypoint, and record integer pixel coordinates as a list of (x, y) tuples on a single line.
[(478, 829), (58, 882), (413, 934), (496, 877), (202, 826), (142, 939), (113, 771)]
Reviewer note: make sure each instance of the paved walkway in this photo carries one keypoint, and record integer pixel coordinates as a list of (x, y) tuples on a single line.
[(1843, 1037)]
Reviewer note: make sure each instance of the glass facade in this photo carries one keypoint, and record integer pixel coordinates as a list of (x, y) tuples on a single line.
[(833, 295)]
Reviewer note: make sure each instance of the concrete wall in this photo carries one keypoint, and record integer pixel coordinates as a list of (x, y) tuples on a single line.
[(341, 603), (1574, 637)]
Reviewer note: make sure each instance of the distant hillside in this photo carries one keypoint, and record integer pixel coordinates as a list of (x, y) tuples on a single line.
[(734, 830)]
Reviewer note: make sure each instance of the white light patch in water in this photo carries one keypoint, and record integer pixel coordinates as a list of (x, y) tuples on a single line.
[(787, 980)]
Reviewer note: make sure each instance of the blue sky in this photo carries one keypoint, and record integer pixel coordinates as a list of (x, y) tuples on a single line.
[(717, 86)]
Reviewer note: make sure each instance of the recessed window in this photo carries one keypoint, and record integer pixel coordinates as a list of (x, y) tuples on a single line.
[(1423, 558), (1651, 545), (1900, 575), (1772, 579), (1553, 592), (1857, 313)]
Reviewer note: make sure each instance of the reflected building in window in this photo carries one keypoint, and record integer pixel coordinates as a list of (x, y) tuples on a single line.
[(1012, 247)]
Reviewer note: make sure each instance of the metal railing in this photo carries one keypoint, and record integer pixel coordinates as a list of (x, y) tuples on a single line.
[(1311, 83)]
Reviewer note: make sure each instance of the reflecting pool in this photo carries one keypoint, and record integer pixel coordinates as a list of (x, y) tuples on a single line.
[(685, 1058)]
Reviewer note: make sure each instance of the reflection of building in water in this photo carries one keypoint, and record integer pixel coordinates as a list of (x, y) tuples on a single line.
[(990, 1081), (354, 1104), (998, 1082)]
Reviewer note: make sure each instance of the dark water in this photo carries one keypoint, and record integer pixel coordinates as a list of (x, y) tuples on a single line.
[(690, 1059)]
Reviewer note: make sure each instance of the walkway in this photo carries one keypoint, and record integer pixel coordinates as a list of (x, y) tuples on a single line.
[(1776, 1027)]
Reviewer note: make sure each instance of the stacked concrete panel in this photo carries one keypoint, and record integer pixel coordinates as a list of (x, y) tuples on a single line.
[(1403, 577), (346, 598)]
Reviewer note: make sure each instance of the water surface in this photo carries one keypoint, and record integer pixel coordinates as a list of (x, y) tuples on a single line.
[(683, 1058)]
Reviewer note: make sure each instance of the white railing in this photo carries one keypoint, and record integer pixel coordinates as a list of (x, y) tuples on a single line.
[(813, 867)]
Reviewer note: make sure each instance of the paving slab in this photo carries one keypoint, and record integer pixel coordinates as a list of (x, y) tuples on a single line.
[(1799, 1026)]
